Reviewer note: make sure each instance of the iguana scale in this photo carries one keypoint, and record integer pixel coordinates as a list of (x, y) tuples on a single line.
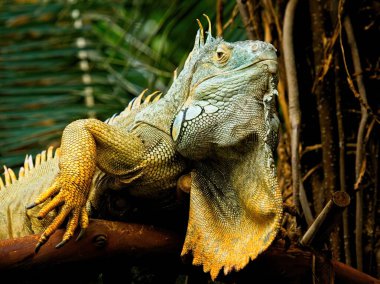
[(217, 120)]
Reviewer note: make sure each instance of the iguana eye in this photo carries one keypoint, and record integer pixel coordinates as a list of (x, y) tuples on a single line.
[(222, 54), (219, 54)]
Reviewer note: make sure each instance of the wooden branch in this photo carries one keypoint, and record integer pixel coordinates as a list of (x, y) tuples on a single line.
[(102, 238), (305, 206), (244, 12), (115, 241), (275, 15), (342, 159), (232, 18), (293, 93), (326, 220), (360, 138), (294, 109), (348, 274), (325, 101), (219, 17), (374, 256), (361, 95)]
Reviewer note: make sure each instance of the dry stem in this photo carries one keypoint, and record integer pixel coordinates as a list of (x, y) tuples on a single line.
[(360, 147)]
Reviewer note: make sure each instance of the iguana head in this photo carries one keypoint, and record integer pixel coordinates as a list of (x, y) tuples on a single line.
[(225, 96)]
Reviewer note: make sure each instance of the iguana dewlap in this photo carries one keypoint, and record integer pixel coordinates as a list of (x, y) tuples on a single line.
[(218, 116), (228, 125)]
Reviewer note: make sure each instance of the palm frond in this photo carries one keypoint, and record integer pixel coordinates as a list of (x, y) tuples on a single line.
[(61, 61)]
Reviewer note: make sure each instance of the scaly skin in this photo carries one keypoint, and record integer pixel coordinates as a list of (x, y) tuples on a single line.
[(18, 192), (230, 130), (96, 144), (219, 117)]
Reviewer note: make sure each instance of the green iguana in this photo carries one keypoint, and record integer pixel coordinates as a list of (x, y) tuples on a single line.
[(217, 120)]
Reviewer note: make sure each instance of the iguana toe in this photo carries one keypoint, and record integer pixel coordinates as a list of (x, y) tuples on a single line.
[(61, 244), (81, 234)]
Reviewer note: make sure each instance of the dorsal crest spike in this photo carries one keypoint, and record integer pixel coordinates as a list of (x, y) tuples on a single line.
[(196, 43), (37, 160), (201, 34), (209, 36), (26, 163), (12, 175), (43, 156), (21, 172), (129, 107), (7, 176), (29, 165), (50, 152), (57, 152), (156, 99), (30, 161), (151, 97), (2, 185), (137, 102)]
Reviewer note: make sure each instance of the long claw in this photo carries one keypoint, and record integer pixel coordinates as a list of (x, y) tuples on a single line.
[(44, 196), (38, 246), (61, 244), (30, 206), (81, 234), (40, 243)]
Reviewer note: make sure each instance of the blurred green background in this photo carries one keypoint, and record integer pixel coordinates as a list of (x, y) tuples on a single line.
[(65, 60)]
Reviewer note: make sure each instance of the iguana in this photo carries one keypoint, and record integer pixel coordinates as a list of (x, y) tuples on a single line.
[(217, 120)]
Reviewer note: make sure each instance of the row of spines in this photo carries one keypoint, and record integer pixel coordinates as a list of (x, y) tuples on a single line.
[(9, 175)]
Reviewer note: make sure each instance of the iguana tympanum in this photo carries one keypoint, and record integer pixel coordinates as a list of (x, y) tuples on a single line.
[(218, 118)]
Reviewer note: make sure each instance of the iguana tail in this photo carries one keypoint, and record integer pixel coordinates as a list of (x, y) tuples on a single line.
[(18, 192)]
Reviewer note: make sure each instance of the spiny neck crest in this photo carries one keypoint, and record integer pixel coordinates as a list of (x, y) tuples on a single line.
[(10, 176)]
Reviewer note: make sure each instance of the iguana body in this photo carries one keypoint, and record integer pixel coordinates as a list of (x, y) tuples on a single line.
[(217, 118)]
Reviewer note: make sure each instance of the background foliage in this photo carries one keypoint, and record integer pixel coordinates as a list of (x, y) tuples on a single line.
[(64, 60)]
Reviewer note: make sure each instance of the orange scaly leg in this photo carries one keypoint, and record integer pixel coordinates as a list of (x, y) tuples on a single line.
[(85, 144)]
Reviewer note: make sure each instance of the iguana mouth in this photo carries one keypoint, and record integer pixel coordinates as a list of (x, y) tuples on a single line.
[(271, 63)]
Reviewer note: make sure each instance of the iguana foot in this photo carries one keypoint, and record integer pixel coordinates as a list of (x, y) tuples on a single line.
[(69, 190), (73, 206)]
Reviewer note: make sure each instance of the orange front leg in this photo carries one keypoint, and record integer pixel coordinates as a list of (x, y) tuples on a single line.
[(82, 141)]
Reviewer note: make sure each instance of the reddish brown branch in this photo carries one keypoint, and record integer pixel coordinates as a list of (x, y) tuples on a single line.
[(347, 274), (108, 239), (103, 238)]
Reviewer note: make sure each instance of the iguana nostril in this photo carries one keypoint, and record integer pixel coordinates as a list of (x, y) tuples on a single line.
[(255, 46)]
